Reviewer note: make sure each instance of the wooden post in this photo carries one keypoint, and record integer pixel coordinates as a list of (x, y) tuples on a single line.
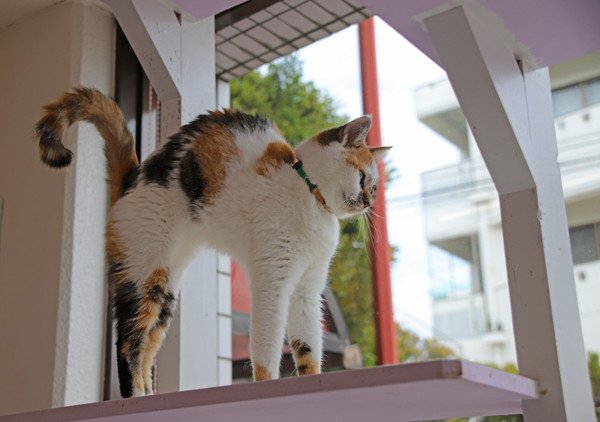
[(508, 105), (379, 248)]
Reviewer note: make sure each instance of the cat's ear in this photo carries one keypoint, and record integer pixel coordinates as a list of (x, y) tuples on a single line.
[(379, 152), (351, 135), (354, 134)]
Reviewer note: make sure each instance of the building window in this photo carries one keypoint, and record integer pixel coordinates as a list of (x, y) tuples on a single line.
[(585, 243), (575, 97), (467, 319), (591, 90), (450, 274)]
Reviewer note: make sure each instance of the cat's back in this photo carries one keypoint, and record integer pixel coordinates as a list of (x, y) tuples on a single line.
[(228, 138), (203, 176), (206, 152)]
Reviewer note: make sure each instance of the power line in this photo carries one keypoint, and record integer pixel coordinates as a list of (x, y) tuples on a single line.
[(567, 167)]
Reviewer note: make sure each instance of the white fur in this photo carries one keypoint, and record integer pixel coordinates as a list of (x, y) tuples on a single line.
[(272, 225)]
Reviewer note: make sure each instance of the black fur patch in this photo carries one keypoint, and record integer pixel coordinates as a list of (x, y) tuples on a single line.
[(130, 180), (302, 369), (191, 179), (125, 375), (301, 348), (158, 167), (230, 119), (52, 151), (166, 313), (127, 302), (156, 294)]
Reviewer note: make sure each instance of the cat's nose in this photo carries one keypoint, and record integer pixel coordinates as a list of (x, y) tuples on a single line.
[(365, 200)]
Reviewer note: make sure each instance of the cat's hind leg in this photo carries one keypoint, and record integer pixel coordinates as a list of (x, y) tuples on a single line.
[(305, 331), (138, 307), (156, 336)]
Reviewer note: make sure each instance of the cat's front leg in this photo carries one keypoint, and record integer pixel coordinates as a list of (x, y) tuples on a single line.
[(272, 284), (305, 331)]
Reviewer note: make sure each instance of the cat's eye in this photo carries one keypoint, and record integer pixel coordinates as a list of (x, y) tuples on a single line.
[(362, 179)]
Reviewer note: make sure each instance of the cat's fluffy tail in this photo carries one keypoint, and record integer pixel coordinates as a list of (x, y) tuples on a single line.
[(90, 105)]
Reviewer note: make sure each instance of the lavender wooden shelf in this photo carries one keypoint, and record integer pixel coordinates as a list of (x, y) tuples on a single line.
[(409, 392)]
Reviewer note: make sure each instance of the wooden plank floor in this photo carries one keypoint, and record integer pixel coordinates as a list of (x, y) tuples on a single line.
[(409, 392)]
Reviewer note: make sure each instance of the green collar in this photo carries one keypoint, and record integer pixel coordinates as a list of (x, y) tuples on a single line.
[(314, 189), (298, 167)]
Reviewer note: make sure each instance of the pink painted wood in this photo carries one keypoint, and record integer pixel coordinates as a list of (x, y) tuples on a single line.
[(414, 391), (201, 9), (553, 30)]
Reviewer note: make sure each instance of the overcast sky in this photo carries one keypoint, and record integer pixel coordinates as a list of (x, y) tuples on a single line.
[(333, 65)]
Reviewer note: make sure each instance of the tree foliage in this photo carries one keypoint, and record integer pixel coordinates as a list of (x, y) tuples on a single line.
[(297, 106), (594, 368), (350, 280)]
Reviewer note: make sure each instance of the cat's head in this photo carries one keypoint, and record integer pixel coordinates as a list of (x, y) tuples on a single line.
[(339, 161)]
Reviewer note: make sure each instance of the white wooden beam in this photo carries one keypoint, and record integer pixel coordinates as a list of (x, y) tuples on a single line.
[(154, 32), (178, 55), (508, 106), (225, 350)]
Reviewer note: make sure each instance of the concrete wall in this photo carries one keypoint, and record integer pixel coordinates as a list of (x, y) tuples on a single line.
[(51, 262)]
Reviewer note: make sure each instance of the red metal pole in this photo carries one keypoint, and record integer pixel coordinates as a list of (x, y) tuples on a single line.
[(379, 247)]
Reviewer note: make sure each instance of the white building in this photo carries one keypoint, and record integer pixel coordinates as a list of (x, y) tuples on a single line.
[(470, 294)]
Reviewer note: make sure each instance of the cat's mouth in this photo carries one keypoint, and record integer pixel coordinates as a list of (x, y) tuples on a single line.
[(355, 205)]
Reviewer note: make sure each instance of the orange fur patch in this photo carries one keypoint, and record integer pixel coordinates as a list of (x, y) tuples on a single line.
[(359, 158), (125, 348), (108, 118), (308, 367), (113, 246), (214, 148), (158, 278), (305, 363), (116, 253), (260, 372), (274, 156), (155, 340), (150, 306), (138, 381)]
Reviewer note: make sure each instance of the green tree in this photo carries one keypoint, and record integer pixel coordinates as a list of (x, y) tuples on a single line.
[(297, 106), (411, 347), (350, 281), (594, 368)]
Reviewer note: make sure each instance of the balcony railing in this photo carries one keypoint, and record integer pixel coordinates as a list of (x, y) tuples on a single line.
[(577, 156)]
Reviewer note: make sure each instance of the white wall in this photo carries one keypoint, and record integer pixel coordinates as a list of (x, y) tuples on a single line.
[(225, 352), (51, 259)]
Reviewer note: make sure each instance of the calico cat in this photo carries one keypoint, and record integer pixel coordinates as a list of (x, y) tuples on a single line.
[(228, 181)]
